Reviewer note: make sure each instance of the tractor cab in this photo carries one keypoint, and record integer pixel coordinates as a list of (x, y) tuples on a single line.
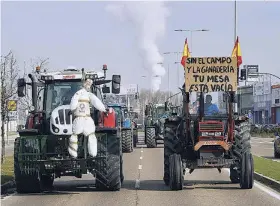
[(51, 96)]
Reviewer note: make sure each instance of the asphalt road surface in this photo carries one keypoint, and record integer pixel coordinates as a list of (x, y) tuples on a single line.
[(263, 147), (202, 187)]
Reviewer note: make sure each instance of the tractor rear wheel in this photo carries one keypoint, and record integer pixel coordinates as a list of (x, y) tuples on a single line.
[(170, 145), (127, 140), (108, 163), (176, 172), (241, 149), (151, 137)]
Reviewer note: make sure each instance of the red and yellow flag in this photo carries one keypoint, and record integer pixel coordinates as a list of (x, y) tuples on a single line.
[(186, 53), (236, 52)]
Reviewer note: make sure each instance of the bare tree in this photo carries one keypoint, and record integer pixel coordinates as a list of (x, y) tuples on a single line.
[(9, 73), (25, 102)]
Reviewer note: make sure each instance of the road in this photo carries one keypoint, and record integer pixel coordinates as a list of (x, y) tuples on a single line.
[(263, 147), (200, 188)]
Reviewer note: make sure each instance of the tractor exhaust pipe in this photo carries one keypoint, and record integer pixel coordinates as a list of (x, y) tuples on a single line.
[(34, 90)]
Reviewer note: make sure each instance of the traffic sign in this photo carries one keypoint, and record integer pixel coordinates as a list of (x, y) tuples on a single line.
[(132, 89), (13, 115), (12, 105)]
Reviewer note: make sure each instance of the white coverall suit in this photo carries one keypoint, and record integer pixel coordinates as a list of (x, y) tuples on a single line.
[(83, 123)]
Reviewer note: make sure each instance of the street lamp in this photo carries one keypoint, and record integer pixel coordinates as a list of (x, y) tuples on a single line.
[(167, 75), (191, 31), (178, 76)]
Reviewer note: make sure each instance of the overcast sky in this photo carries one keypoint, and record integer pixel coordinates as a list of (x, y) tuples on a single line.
[(85, 34)]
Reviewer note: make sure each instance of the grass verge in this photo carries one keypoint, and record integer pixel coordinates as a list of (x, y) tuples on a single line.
[(263, 135), (267, 167), (7, 170)]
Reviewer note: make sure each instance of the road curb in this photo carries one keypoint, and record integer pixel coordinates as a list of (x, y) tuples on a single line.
[(267, 181), (7, 186)]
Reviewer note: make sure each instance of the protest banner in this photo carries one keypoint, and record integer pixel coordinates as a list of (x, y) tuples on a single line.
[(211, 74)]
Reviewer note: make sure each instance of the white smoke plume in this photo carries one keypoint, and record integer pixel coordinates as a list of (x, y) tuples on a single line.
[(149, 19)]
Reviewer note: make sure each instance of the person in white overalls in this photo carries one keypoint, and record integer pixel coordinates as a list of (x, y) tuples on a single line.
[(83, 123)]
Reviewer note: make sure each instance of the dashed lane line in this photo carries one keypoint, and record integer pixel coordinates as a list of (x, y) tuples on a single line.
[(137, 181)]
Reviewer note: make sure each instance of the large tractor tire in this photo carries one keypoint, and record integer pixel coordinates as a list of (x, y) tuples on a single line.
[(121, 169), (176, 172), (234, 175), (151, 137), (276, 154), (247, 171), (108, 163), (241, 149), (127, 145), (27, 180), (170, 147)]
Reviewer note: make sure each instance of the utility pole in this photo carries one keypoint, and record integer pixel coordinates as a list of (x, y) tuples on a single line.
[(191, 43)]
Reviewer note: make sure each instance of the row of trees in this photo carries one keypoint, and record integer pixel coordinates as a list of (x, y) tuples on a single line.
[(10, 72)]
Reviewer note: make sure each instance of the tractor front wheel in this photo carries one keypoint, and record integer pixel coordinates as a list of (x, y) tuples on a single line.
[(127, 140), (176, 172), (247, 171), (234, 175), (151, 137), (135, 137), (28, 178), (170, 147), (108, 164)]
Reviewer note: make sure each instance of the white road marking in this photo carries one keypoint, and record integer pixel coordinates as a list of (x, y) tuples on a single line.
[(137, 181), (263, 188)]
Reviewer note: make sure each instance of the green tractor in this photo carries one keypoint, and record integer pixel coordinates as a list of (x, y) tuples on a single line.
[(155, 116), (40, 151)]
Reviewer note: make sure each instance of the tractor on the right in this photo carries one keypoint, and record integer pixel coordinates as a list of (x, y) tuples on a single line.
[(206, 135)]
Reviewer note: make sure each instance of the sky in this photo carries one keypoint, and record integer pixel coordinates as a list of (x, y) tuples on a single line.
[(85, 34)]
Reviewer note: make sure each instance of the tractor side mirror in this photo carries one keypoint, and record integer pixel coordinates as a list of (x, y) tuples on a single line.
[(116, 84), (243, 75), (21, 90), (105, 89), (166, 106)]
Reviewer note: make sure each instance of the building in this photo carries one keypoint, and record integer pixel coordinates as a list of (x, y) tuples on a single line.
[(262, 102), (275, 104)]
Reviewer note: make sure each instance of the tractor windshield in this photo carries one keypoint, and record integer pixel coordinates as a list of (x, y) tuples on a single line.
[(213, 104), (59, 93), (160, 111)]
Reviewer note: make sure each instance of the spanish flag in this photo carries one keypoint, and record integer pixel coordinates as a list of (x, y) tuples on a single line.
[(236, 52), (186, 53)]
